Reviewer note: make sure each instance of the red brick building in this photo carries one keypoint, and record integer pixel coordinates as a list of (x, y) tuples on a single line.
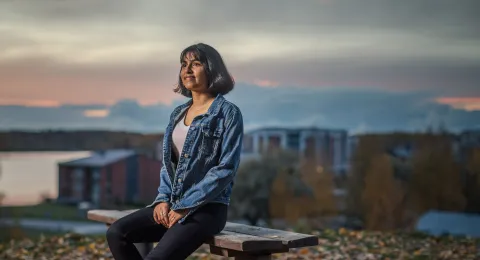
[(109, 177)]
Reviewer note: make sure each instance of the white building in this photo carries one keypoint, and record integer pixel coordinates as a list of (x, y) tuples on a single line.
[(327, 147)]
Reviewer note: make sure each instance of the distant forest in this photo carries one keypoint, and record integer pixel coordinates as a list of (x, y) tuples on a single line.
[(76, 140)]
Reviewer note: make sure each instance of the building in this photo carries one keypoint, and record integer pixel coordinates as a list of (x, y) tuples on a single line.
[(465, 143), (439, 223), (109, 177), (469, 138), (327, 147)]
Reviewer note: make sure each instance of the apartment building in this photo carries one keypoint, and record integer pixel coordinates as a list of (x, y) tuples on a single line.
[(327, 147)]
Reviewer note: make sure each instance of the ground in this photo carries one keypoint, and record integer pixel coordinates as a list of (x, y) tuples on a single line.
[(50, 211), (339, 244)]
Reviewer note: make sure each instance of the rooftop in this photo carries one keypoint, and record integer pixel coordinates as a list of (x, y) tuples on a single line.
[(295, 129), (454, 223), (100, 158)]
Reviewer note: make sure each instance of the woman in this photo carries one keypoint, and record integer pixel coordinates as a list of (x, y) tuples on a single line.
[(201, 154)]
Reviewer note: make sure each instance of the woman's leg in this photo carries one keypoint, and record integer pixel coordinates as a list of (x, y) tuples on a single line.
[(137, 227), (181, 240)]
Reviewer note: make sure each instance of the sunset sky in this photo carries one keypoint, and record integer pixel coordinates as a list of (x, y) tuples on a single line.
[(369, 65)]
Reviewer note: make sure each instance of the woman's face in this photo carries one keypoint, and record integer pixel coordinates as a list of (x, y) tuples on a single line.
[(193, 74)]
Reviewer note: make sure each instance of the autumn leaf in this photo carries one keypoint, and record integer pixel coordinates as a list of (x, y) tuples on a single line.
[(333, 244)]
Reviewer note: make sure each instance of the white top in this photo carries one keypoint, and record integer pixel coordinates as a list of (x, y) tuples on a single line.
[(179, 134)]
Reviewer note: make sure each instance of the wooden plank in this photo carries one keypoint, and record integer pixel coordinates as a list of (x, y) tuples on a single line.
[(290, 239), (246, 243), (239, 255), (226, 239), (107, 216), (233, 253), (254, 257)]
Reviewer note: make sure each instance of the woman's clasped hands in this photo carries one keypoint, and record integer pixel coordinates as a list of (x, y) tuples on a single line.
[(163, 215)]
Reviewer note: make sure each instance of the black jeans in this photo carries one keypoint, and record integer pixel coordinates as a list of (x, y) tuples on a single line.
[(175, 243)]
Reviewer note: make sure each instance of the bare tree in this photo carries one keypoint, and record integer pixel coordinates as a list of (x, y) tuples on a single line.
[(320, 179), (253, 183), (2, 195), (472, 182), (382, 196), (436, 178), (368, 147)]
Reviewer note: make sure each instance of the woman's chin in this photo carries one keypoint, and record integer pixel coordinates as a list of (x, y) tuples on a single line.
[(196, 88)]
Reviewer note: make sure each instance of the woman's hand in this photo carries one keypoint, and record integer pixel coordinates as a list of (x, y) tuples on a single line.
[(161, 213), (175, 216)]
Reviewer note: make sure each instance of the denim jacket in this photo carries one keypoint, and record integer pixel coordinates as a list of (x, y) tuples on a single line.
[(209, 160)]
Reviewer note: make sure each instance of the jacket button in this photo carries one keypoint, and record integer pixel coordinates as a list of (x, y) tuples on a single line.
[(179, 180), (186, 155)]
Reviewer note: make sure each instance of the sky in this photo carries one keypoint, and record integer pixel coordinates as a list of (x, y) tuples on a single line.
[(370, 65)]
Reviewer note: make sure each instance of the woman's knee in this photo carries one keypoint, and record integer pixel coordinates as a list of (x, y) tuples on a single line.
[(115, 231)]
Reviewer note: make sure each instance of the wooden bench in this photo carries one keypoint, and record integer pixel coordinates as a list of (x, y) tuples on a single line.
[(236, 240)]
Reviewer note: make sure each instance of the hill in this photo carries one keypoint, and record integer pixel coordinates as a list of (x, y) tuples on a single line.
[(76, 140)]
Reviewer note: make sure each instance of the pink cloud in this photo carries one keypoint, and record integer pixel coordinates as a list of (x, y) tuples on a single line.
[(266, 83), (96, 113), (30, 102), (47, 85), (466, 103)]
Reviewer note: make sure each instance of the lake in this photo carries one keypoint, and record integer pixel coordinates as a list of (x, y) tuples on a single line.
[(24, 176)]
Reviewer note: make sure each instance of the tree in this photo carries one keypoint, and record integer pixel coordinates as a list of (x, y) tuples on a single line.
[(367, 148), (253, 183), (382, 196), (320, 179), (2, 195), (472, 182), (436, 178)]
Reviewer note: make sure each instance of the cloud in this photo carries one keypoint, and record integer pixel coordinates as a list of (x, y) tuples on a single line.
[(466, 103), (351, 109), (101, 52), (96, 113), (266, 83)]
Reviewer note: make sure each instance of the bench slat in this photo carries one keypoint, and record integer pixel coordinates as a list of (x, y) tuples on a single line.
[(234, 236), (226, 239), (107, 216), (246, 243), (290, 239)]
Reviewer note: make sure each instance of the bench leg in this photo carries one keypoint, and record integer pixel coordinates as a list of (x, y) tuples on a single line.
[(253, 257), (238, 255), (144, 248)]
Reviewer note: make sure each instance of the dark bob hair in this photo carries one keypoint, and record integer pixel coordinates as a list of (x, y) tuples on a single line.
[(219, 81)]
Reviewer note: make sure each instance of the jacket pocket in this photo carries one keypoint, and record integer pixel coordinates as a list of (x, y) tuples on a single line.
[(212, 132)]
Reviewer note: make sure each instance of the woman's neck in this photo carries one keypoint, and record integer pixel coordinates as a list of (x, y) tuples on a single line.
[(201, 99)]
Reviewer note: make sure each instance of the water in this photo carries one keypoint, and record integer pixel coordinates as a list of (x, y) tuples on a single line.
[(25, 176)]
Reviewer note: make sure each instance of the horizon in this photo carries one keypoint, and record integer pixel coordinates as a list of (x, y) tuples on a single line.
[(370, 66)]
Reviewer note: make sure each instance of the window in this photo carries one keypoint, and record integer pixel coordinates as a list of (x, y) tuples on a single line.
[(293, 141), (78, 183), (310, 151), (260, 144), (95, 186), (247, 144), (274, 143), (108, 183)]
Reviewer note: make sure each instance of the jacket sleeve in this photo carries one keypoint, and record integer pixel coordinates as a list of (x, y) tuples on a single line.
[(164, 189), (219, 176)]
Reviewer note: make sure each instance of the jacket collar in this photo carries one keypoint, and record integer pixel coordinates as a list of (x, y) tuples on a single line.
[(212, 110)]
